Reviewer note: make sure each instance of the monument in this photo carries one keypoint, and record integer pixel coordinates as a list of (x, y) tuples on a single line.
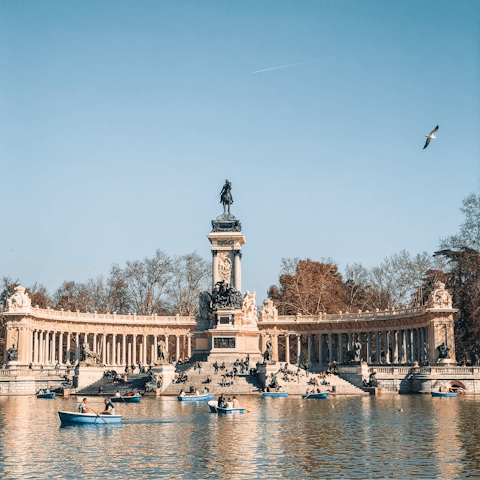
[(227, 323)]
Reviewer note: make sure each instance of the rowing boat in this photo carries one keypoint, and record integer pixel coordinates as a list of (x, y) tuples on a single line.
[(443, 394), (195, 398), (316, 395), (77, 417), (214, 408), (126, 399), (46, 395), (275, 394)]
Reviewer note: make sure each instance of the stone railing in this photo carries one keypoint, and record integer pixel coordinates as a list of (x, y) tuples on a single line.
[(28, 372), (391, 370), (51, 314), (348, 317)]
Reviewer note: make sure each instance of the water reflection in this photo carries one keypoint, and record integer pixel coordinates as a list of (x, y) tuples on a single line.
[(360, 437)]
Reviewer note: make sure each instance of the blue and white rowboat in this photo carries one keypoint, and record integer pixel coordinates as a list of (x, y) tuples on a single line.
[(126, 399), (443, 394), (46, 395), (76, 417), (316, 395), (195, 398), (275, 394), (214, 408)]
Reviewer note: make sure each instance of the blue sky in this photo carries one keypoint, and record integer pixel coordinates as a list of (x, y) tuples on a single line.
[(119, 122)]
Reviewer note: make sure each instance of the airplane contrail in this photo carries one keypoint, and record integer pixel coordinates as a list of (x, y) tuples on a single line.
[(284, 66)]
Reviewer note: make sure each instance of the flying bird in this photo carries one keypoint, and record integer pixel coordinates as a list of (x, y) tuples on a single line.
[(430, 136)]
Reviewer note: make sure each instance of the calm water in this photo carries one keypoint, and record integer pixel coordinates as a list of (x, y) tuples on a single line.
[(360, 437)]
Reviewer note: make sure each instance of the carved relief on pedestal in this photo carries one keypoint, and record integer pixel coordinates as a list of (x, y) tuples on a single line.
[(19, 300), (269, 312), (249, 309), (224, 266), (439, 298)]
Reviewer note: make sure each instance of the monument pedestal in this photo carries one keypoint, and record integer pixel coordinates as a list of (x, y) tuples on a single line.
[(85, 375), (265, 371), (167, 371)]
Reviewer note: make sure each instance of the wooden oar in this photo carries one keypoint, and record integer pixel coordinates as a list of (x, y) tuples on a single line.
[(98, 415)]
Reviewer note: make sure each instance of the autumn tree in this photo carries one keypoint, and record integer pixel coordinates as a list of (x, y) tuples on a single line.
[(308, 288)]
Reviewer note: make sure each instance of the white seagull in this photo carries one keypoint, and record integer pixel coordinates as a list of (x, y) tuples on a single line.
[(430, 136)]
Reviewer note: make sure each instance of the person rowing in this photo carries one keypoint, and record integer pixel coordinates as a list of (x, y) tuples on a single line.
[(118, 394), (82, 408), (109, 408)]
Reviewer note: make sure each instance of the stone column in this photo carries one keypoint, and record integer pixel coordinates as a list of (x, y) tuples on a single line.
[(140, 352), (238, 269), (177, 347), (109, 361), (330, 348), (47, 347), (60, 348), (68, 353), (95, 345), (166, 342), (124, 349), (40, 348), (104, 349), (155, 349), (114, 350), (35, 347), (119, 354), (134, 348), (401, 346), (340, 347), (395, 346), (129, 354), (287, 348), (378, 354), (309, 350), (369, 347), (189, 345), (275, 347), (77, 346), (53, 348), (214, 268), (350, 341), (387, 349), (408, 343), (299, 348)]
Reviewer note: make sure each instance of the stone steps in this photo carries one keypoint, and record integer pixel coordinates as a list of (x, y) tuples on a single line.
[(244, 384), (106, 386)]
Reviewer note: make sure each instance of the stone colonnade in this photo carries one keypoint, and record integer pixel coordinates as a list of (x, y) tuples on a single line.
[(399, 346), (47, 337), (64, 347)]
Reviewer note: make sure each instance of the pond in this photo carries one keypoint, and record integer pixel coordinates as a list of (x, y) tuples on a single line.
[(394, 436)]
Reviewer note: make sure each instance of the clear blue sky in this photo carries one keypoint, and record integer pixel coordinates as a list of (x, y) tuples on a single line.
[(120, 120)]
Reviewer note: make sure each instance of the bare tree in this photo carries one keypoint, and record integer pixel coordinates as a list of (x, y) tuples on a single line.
[(190, 276), (145, 283)]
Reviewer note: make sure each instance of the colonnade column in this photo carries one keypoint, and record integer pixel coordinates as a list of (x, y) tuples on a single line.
[(287, 348), (155, 349), (177, 347), (387, 348), (95, 344), (395, 346), (114, 350), (35, 347), (189, 346), (104, 349), (299, 348), (60, 348), (77, 346), (369, 347), (378, 354), (340, 347), (124, 349), (53, 348), (68, 353)]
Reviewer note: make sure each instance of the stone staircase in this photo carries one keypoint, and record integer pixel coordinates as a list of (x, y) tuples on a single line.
[(337, 385), (244, 384), (106, 386)]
